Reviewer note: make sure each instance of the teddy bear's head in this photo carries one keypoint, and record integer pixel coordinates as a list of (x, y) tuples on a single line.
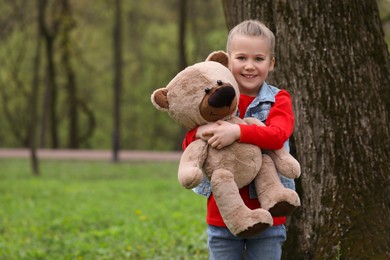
[(201, 93)]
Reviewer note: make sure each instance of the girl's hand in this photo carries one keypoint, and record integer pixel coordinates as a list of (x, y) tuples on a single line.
[(222, 134), (200, 133)]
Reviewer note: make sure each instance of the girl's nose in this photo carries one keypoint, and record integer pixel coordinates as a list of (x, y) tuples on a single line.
[(249, 65)]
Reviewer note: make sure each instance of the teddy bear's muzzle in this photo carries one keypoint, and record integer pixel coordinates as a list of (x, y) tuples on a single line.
[(222, 97), (218, 103)]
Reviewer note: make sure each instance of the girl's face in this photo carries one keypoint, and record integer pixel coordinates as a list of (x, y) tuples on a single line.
[(250, 61)]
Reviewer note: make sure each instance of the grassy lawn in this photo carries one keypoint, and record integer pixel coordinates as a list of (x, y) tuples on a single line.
[(98, 210)]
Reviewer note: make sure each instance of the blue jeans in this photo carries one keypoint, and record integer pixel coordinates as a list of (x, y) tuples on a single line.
[(223, 245)]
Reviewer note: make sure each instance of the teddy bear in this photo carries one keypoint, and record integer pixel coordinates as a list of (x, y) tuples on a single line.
[(207, 92)]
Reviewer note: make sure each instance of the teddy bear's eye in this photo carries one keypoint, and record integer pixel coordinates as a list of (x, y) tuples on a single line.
[(207, 90), (219, 82)]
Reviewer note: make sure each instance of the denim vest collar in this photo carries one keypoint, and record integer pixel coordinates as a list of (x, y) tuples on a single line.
[(266, 94)]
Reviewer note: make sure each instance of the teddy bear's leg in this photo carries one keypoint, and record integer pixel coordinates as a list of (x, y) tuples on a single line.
[(273, 196), (239, 219)]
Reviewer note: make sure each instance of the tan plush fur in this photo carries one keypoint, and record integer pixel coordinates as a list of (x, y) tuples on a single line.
[(193, 98)]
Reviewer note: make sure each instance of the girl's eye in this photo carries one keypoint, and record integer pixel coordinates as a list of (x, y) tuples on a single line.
[(241, 58), (259, 59)]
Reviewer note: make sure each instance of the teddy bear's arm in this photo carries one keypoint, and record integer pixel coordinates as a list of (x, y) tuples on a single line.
[(190, 172), (285, 163)]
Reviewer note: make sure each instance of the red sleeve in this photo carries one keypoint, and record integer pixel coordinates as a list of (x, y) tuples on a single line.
[(189, 138), (279, 125)]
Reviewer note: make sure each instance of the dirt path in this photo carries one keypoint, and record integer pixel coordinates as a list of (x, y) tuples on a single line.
[(92, 155)]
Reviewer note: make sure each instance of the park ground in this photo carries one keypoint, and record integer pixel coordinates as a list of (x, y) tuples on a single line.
[(93, 155)]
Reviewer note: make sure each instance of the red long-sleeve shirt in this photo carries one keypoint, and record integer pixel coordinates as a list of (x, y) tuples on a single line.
[(280, 124)]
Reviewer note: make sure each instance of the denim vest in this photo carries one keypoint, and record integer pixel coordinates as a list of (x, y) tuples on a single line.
[(259, 108)]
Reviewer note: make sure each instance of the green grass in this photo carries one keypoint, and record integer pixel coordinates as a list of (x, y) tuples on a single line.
[(98, 210)]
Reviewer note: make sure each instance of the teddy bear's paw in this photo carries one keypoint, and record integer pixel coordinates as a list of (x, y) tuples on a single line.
[(285, 163), (282, 209), (253, 223), (280, 202), (253, 231), (190, 178), (289, 168)]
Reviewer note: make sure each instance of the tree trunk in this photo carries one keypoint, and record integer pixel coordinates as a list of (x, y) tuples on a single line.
[(49, 34), (332, 58), (117, 48), (182, 34), (34, 106), (71, 87), (182, 56)]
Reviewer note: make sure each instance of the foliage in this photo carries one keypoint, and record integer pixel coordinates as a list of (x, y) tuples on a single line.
[(150, 40), (384, 11), (98, 210)]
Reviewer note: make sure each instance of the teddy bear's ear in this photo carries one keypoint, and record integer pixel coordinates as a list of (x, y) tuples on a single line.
[(219, 56), (159, 99)]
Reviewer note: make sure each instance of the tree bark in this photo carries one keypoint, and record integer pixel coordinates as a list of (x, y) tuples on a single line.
[(332, 58)]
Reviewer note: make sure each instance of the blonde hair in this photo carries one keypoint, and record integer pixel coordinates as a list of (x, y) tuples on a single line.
[(252, 28)]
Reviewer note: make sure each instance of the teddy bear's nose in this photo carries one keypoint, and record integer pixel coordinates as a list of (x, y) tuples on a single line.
[(222, 97)]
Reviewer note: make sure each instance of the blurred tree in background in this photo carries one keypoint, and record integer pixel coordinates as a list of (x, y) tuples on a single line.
[(74, 93), (384, 12), (76, 76)]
